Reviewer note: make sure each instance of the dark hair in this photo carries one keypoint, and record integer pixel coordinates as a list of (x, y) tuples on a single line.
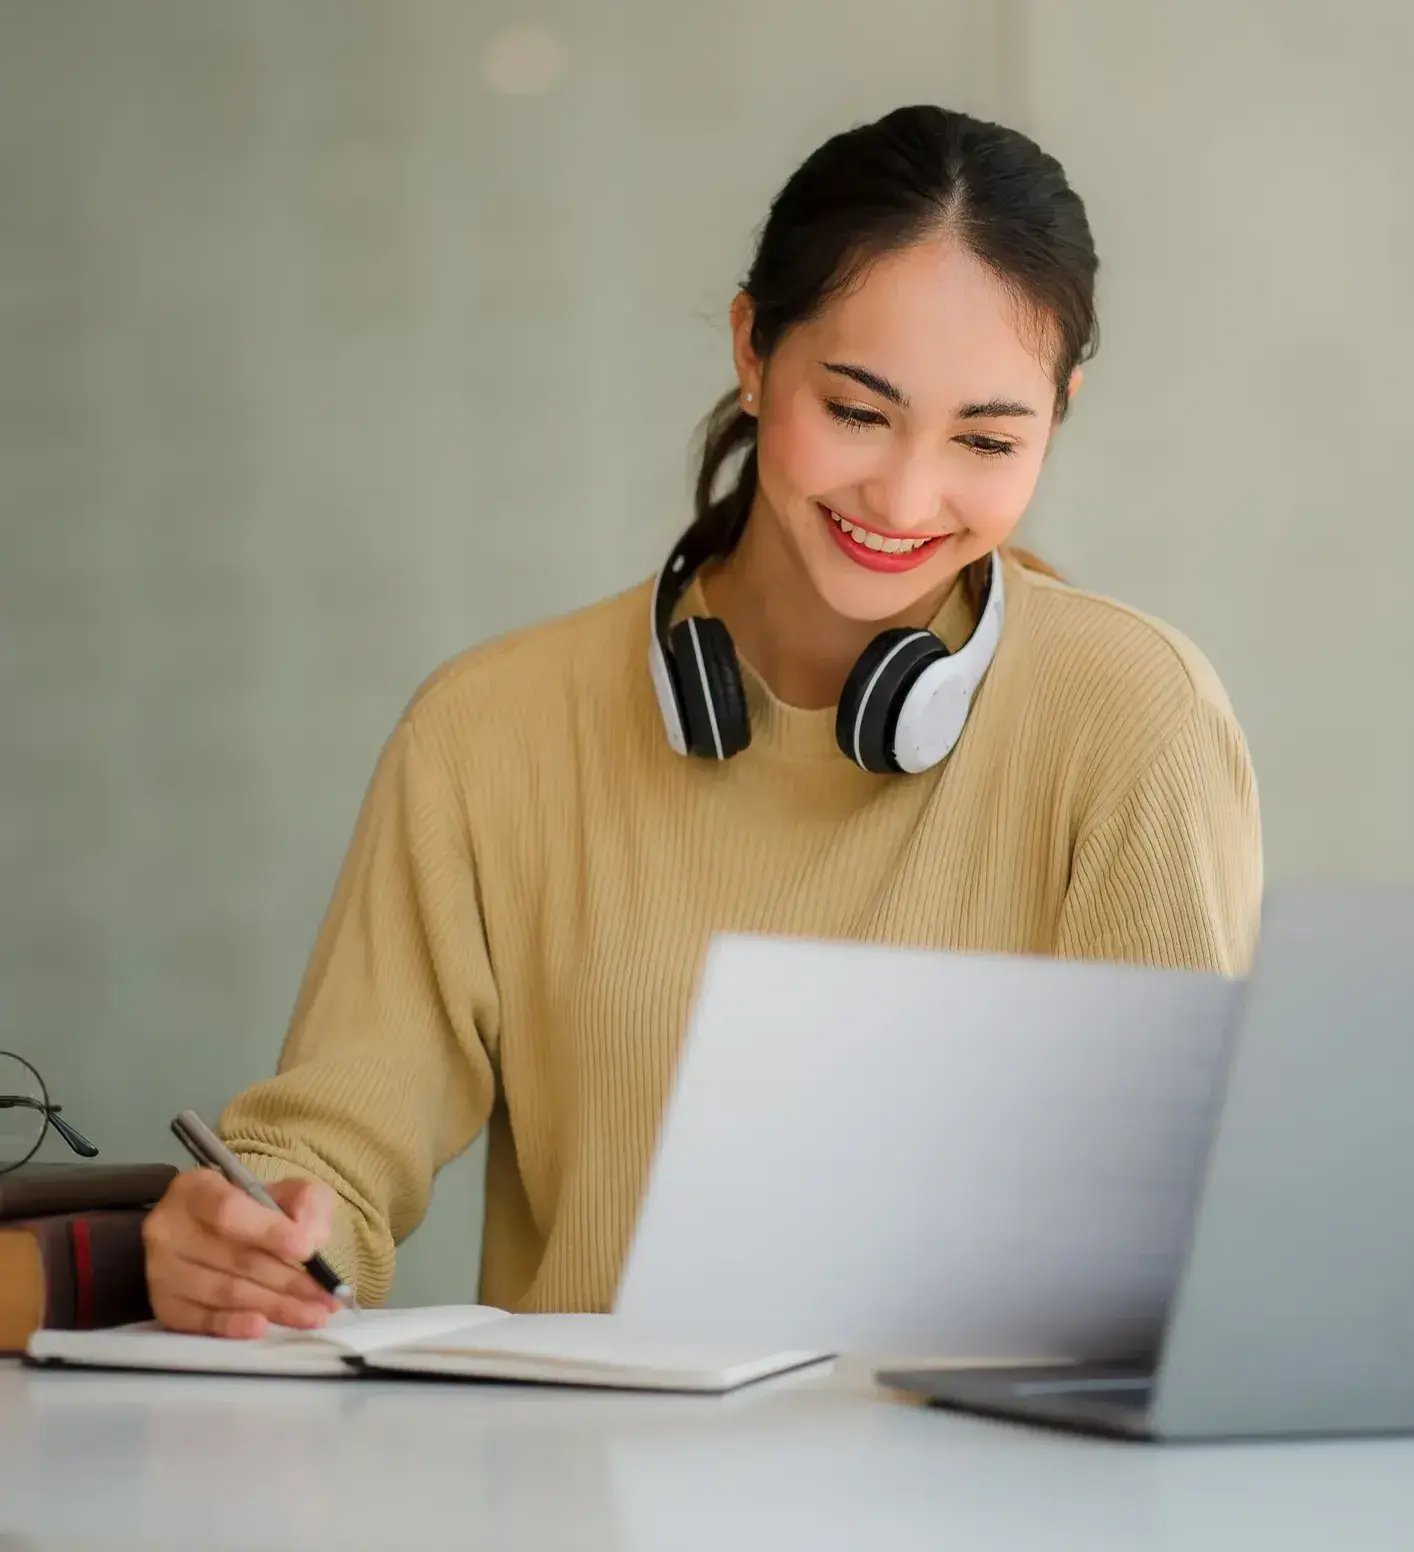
[(873, 190)]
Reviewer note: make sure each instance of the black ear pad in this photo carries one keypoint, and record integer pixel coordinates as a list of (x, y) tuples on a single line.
[(885, 695), (706, 667)]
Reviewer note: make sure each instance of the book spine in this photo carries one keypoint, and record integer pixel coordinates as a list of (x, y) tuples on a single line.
[(82, 1250), (92, 1265), (57, 1260), (111, 1268)]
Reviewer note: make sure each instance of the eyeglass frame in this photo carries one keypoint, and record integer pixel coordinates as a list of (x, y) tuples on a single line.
[(50, 1111)]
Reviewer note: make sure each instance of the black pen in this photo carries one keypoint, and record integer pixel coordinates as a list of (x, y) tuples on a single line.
[(207, 1148)]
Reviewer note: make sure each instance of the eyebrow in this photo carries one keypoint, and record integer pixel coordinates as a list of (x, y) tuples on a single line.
[(991, 409)]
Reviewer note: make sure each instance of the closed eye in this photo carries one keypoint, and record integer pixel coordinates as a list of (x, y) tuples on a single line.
[(852, 416), (858, 419)]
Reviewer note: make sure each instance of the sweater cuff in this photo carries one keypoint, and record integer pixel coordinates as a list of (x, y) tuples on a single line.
[(341, 1251)]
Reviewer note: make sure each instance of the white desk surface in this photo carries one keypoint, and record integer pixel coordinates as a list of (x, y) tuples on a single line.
[(816, 1462)]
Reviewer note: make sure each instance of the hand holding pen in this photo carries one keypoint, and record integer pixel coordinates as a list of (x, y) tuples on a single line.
[(227, 1255)]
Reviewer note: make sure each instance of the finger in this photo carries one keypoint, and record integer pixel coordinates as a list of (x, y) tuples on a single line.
[(227, 1211), (310, 1203), (254, 1265), (179, 1314), (216, 1290), (171, 1242)]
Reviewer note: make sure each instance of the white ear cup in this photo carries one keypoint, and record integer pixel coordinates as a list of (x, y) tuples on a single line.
[(931, 719), (934, 711), (693, 667), (906, 700)]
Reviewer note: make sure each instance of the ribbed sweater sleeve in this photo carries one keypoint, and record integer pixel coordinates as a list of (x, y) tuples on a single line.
[(384, 1074)]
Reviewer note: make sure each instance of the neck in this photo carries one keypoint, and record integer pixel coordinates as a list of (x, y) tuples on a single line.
[(794, 640)]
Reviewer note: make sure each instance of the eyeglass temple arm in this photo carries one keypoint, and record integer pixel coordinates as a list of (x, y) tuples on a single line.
[(71, 1134)]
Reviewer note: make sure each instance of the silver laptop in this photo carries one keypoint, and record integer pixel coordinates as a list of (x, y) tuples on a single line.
[(1294, 1306), (905, 1152)]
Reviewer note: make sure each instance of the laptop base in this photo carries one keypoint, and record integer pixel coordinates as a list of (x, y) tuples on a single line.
[(1088, 1398)]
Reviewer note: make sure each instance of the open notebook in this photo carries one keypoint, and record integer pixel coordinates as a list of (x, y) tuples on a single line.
[(468, 1341)]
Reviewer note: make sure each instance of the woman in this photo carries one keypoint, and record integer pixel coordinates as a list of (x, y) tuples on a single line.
[(883, 725)]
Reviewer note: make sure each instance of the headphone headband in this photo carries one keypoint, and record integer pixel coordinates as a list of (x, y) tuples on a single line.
[(973, 658), (690, 554)]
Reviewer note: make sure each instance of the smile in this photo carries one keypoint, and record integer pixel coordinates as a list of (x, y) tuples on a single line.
[(876, 551)]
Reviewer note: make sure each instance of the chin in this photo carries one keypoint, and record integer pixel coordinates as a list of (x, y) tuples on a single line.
[(870, 599)]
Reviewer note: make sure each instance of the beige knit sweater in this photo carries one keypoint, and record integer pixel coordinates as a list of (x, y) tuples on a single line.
[(513, 939)]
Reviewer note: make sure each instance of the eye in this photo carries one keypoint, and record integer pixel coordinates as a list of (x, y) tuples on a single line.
[(987, 447), (856, 418), (853, 416)]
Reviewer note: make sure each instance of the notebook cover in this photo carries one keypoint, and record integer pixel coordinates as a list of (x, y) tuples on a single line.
[(34, 1189)]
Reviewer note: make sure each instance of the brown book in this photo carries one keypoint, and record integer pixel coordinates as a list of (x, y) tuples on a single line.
[(71, 1271), (36, 1189)]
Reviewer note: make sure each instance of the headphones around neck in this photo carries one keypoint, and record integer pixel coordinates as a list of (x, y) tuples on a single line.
[(902, 708)]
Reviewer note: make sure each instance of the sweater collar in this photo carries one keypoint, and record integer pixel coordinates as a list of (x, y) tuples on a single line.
[(797, 732)]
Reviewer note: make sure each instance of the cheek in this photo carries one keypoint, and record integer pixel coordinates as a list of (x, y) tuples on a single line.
[(997, 492), (799, 455)]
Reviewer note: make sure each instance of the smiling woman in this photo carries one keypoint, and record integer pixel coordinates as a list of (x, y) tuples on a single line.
[(907, 341), (844, 708)]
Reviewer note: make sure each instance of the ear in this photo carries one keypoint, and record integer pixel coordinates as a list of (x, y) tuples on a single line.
[(1071, 389), (745, 359)]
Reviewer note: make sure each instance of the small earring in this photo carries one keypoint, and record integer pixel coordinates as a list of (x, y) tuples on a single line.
[(750, 397)]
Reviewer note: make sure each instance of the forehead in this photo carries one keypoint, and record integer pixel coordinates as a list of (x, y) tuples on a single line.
[(937, 322)]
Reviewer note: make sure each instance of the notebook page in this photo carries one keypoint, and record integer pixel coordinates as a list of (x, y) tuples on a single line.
[(601, 1341), (148, 1345), (283, 1349), (368, 1331)]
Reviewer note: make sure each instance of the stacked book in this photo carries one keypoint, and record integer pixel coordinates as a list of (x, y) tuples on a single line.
[(71, 1255)]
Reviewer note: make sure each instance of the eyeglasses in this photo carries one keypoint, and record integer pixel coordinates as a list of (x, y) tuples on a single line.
[(26, 1114)]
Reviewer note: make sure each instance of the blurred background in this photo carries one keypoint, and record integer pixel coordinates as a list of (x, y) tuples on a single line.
[(336, 336)]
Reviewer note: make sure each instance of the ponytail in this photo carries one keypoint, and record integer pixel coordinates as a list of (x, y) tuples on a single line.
[(721, 519)]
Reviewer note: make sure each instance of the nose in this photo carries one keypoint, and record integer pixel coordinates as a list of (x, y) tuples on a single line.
[(908, 494)]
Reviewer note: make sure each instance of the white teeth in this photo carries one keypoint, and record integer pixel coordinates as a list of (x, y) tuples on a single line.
[(873, 541)]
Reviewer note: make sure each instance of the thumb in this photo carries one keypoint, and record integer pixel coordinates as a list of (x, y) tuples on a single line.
[(311, 1204)]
